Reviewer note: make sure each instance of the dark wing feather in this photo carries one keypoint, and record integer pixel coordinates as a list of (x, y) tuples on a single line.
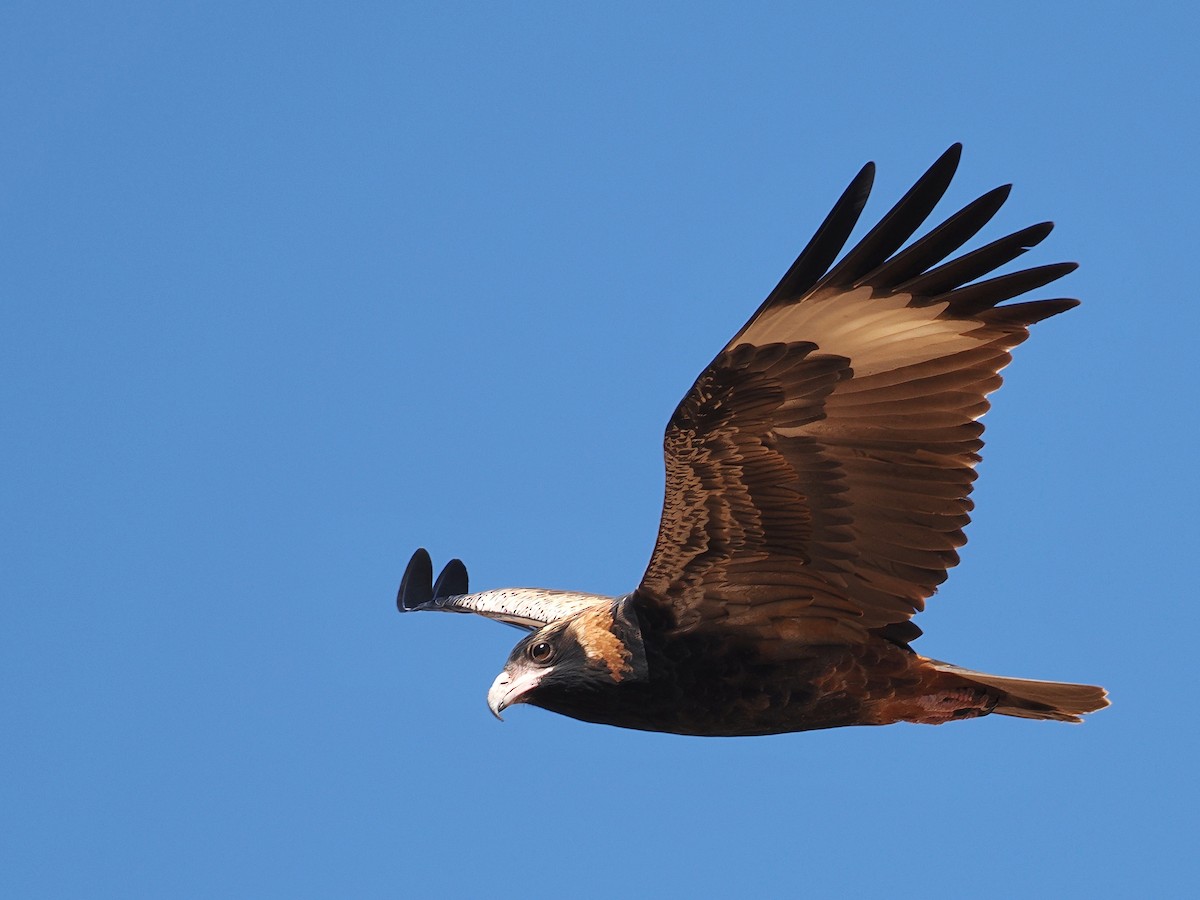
[(819, 470)]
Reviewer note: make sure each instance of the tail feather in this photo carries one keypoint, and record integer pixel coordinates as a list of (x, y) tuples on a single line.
[(1030, 699)]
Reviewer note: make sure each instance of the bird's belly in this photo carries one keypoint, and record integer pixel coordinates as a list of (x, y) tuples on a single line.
[(822, 687)]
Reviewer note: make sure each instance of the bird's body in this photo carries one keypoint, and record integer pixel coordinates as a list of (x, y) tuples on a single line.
[(702, 685), (818, 475)]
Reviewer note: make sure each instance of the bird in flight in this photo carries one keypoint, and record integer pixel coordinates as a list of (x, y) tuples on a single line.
[(818, 476)]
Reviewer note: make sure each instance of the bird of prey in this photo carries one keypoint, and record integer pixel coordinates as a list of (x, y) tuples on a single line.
[(818, 476)]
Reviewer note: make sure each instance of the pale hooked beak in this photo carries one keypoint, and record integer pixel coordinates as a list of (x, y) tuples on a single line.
[(509, 689)]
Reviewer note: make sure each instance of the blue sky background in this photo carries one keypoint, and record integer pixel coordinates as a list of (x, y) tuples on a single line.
[(289, 290)]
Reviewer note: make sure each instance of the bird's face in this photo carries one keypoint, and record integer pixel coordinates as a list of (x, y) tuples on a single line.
[(591, 651)]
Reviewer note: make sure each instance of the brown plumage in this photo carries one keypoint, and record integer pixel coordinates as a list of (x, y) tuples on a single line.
[(818, 476)]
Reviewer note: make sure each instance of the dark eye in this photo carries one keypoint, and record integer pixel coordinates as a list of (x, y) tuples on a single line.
[(541, 651)]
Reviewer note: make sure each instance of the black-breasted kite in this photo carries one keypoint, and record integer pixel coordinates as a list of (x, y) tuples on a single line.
[(818, 475)]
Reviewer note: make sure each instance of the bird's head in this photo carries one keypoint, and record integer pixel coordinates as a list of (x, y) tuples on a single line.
[(589, 652)]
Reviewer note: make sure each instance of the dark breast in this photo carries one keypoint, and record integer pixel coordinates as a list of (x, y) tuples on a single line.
[(705, 684)]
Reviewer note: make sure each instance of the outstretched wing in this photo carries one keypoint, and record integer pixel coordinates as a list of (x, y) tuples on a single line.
[(818, 471), (529, 608)]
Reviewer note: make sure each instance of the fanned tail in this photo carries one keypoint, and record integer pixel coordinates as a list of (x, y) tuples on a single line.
[(1030, 699)]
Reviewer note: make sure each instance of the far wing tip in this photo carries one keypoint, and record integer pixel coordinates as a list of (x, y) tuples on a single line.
[(451, 581), (416, 587)]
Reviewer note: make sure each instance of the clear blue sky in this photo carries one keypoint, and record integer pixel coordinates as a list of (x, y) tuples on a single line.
[(289, 290)]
